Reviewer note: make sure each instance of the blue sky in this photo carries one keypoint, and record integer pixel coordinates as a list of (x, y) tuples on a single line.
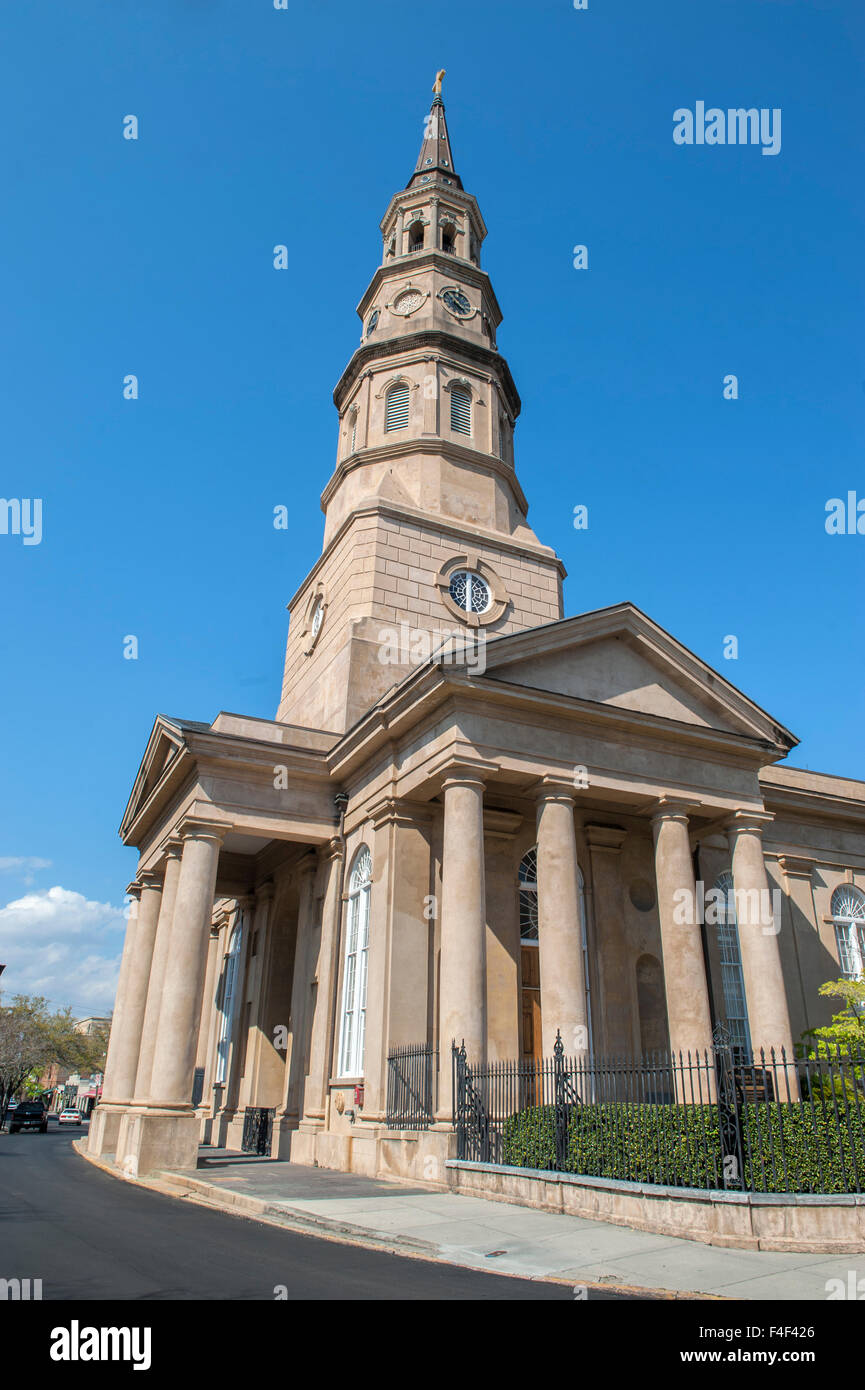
[(154, 257)]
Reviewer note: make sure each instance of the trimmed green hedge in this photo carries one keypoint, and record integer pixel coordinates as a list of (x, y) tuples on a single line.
[(823, 1148)]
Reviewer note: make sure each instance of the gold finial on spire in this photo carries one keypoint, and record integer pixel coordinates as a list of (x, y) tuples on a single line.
[(437, 85)]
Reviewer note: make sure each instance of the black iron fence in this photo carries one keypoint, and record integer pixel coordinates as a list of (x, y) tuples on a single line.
[(411, 1073), (716, 1119), (257, 1130)]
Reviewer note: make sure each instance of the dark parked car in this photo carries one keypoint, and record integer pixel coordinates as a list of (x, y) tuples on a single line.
[(30, 1114)]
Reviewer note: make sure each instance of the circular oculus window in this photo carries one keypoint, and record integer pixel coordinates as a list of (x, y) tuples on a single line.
[(470, 591), (407, 302)]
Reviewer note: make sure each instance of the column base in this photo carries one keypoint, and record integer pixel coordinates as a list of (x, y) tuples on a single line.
[(155, 1138), (105, 1127)]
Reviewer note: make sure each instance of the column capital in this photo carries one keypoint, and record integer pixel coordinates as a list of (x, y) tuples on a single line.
[(197, 828), (467, 772), (172, 848), (264, 891), (149, 879), (554, 787), (133, 890), (672, 808), (753, 822)]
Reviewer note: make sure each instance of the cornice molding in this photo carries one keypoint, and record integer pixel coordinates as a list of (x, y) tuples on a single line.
[(422, 341)]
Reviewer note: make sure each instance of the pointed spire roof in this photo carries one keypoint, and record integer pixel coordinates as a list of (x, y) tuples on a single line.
[(435, 160)]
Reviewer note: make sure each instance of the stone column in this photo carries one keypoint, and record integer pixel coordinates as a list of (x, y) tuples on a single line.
[(158, 966), (323, 980), (688, 1012), (560, 938), (306, 948), (125, 1038), (765, 993), (164, 1134), (462, 989)]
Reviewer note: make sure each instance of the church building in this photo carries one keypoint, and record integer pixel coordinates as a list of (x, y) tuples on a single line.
[(472, 818)]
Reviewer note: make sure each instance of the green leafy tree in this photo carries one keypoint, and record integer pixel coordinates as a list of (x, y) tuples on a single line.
[(32, 1037), (847, 1029)]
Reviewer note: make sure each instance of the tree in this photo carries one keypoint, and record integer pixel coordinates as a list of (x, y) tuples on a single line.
[(847, 1029), (31, 1038)]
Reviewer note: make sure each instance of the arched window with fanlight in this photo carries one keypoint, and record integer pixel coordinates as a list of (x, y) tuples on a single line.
[(396, 406), (355, 966), (229, 999), (415, 236), (848, 916), (461, 410), (732, 978)]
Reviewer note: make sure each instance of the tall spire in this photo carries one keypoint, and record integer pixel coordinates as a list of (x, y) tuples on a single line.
[(435, 161)]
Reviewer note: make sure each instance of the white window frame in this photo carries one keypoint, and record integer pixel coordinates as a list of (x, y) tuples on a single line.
[(850, 931), (354, 973), (229, 996)]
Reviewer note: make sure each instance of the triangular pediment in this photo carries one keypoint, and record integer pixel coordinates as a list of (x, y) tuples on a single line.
[(163, 747), (619, 657)]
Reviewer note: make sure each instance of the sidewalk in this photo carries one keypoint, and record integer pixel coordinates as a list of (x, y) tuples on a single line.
[(496, 1236)]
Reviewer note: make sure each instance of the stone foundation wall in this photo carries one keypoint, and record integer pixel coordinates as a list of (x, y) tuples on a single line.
[(831, 1224)]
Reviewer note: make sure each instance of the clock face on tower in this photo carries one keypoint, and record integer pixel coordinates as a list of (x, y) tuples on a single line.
[(457, 302)]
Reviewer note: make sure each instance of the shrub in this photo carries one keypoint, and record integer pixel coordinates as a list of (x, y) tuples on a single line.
[(816, 1145)]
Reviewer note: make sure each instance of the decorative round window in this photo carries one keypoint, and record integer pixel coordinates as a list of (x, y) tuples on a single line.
[(317, 619), (470, 591), (457, 302), (408, 301)]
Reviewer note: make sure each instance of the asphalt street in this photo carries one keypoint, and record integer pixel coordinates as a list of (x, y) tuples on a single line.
[(88, 1235)]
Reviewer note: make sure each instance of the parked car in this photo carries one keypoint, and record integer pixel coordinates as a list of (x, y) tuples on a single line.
[(70, 1116), (30, 1114)]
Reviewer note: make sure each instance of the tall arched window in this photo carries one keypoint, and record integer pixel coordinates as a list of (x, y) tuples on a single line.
[(397, 406), (449, 239), (527, 884), (354, 970), (732, 979), (461, 410), (353, 440), (415, 236), (229, 999), (848, 915), (528, 889)]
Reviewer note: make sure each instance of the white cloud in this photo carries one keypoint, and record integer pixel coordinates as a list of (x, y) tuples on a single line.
[(58, 943)]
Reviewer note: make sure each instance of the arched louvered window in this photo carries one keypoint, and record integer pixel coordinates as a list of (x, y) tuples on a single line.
[(229, 993), (848, 915), (461, 410), (396, 406), (732, 978), (353, 445), (354, 970)]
